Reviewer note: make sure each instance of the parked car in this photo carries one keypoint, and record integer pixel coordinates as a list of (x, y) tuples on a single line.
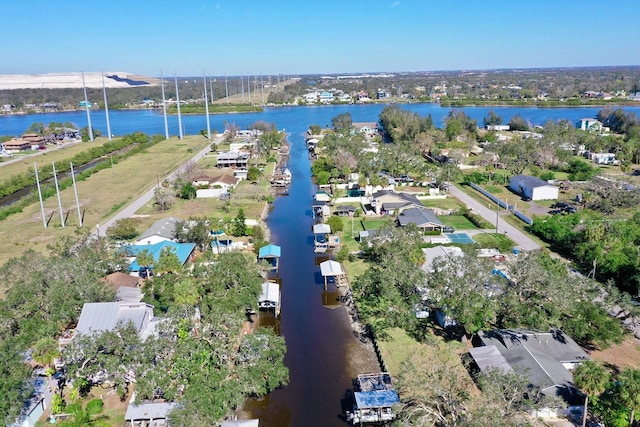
[(570, 209), (559, 205)]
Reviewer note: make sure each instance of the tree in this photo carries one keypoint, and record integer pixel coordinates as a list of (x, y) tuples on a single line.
[(336, 223), (465, 285), (239, 224), (492, 119), (124, 229), (188, 191), (168, 261), (630, 390), (508, 398), (253, 173), (592, 379), (145, 258), (445, 401), (315, 129), (163, 198), (342, 123), (106, 357), (195, 230), (518, 123)]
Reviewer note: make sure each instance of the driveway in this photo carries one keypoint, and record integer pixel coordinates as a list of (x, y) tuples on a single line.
[(521, 240)]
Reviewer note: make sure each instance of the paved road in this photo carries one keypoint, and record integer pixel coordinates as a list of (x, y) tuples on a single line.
[(521, 240), (136, 205)]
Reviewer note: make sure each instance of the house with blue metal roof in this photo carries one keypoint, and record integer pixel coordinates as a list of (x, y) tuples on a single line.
[(182, 250)]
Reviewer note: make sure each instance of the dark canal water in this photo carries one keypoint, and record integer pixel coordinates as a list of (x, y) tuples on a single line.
[(323, 354), (318, 338)]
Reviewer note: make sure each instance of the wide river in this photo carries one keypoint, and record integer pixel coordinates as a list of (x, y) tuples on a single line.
[(323, 354)]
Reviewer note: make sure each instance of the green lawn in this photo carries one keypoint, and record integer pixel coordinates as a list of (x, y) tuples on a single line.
[(448, 203), (458, 222), (493, 240)]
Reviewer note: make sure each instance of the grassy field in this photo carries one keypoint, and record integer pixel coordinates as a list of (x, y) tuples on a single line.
[(100, 196)]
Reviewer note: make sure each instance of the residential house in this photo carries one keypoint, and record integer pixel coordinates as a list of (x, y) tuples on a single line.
[(16, 145), (369, 129), (183, 251), (547, 358), (533, 188), (424, 219), (127, 287), (106, 316), (382, 94), (389, 202), (217, 186), (37, 141), (592, 125), (233, 159), (161, 230), (362, 97), (154, 414), (310, 97), (326, 97)]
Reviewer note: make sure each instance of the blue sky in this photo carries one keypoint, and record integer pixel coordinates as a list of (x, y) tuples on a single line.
[(232, 37)]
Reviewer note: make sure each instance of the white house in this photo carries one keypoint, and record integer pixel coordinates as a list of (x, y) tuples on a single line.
[(591, 125), (310, 97), (161, 230), (533, 188)]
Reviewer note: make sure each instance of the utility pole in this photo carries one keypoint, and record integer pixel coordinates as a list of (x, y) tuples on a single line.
[(164, 109), (497, 215), (86, 105), (178, 104)]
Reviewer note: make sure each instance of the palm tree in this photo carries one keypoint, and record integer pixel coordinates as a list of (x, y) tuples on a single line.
[(145, 260), (630, 390), (592, 379)]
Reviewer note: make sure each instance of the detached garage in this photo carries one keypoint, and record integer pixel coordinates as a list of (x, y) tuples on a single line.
[(533, 188)]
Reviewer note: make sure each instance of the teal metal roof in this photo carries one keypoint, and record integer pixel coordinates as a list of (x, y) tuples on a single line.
[(182, 250), (270, 251)]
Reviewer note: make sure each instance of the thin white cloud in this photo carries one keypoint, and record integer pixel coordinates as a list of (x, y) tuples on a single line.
[(395, 3)]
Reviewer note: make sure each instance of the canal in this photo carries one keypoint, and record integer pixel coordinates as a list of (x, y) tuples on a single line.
[(324, 355)]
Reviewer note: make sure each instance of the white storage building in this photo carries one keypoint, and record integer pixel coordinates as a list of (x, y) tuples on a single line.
[(533, 188)]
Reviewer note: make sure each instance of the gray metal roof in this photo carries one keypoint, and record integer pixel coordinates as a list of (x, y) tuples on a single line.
[(331, 268), (149, 411), (420, 217), (270, 293), (541, 354), (528, 181), (321, 228), (104, 316), (163, 228)]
